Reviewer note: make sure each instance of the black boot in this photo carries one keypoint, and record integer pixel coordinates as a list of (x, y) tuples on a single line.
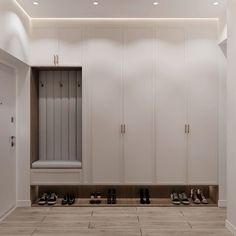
[(109, 196), (113, 196), (142, 200), (147, 195)]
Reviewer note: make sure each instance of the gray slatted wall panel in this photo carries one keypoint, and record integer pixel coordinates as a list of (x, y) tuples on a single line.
[(57, 116), (72, 114), (50, 115), (65, 116), (42, 116), (79, 115), (60, 115)]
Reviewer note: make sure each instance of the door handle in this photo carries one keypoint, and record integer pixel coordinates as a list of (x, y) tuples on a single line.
[(54, 59), (13, 139), (188, 128)]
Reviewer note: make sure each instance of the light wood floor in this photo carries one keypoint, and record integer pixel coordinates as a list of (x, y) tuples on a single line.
[(116, 221)]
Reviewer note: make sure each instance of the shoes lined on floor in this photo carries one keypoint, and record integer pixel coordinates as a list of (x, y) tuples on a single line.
[(68, 199), (50, 199), (144, 196), (196, 196), (95, 198)]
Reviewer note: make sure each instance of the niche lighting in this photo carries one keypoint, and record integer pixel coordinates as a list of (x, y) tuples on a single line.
[(95, 3), (35, 3), (156, 3)]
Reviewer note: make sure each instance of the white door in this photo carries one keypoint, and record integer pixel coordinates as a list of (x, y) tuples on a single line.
[(70, 47), (103, 71), (43, 46), (139, 64), (7, 142), (203, 107), (171, 103)]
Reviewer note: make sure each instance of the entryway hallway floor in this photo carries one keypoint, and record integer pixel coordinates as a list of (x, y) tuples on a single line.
[(116, 221)]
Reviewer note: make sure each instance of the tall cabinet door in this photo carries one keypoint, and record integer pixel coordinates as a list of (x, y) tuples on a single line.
[(203, 107), (103, 70), (171, 103), (139, 64)]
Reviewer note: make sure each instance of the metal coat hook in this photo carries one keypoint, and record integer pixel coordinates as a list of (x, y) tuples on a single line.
[(61, 85), (42, 84)]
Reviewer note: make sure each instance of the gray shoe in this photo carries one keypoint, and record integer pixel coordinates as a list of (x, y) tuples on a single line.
[(175, 198), (202, 197), (184, 198), (194, 196)]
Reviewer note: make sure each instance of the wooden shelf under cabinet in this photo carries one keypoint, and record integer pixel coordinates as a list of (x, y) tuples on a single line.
[(127, 202)]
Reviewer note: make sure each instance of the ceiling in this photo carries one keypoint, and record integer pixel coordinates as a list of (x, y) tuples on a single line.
[(123, 8)]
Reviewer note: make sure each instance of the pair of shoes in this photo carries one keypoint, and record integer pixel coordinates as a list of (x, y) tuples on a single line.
[(111, 196), (144, 196), (178, 198), (95, 198), (198, 196), (68, 199), (50, 199)]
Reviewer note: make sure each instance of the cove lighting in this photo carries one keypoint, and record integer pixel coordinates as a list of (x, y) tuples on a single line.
[(156, 3), (36, 3), (216, 3), (95, 3)]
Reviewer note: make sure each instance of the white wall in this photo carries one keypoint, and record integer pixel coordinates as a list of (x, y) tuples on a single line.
[(223, 27), (14, 28), (222, 109), (23, 135), (231, 119)]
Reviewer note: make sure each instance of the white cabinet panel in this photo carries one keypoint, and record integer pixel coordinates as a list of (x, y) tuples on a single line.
[(70, 47), (43, 46), (103, 69), (203, 107), (171, 103), (139, 64)]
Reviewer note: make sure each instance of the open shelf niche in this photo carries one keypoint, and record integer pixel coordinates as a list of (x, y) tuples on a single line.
[(56, 123), (127, 196)]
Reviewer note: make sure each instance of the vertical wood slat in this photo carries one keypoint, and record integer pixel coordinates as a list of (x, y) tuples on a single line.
[(79, 115), (72, 115), (65, 116), (57, 116), (50, 115), (42, 116)]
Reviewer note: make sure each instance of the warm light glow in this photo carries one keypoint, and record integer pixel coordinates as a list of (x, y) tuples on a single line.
[(36, 3), (95, 3), (156, 3), (216, 3)]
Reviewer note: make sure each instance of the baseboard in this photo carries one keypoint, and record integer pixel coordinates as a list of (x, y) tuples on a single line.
[(7, 214), (23, 203), (222, 203), (230, 227)]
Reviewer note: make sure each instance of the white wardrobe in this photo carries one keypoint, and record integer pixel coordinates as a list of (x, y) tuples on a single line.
[(150, 104)]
